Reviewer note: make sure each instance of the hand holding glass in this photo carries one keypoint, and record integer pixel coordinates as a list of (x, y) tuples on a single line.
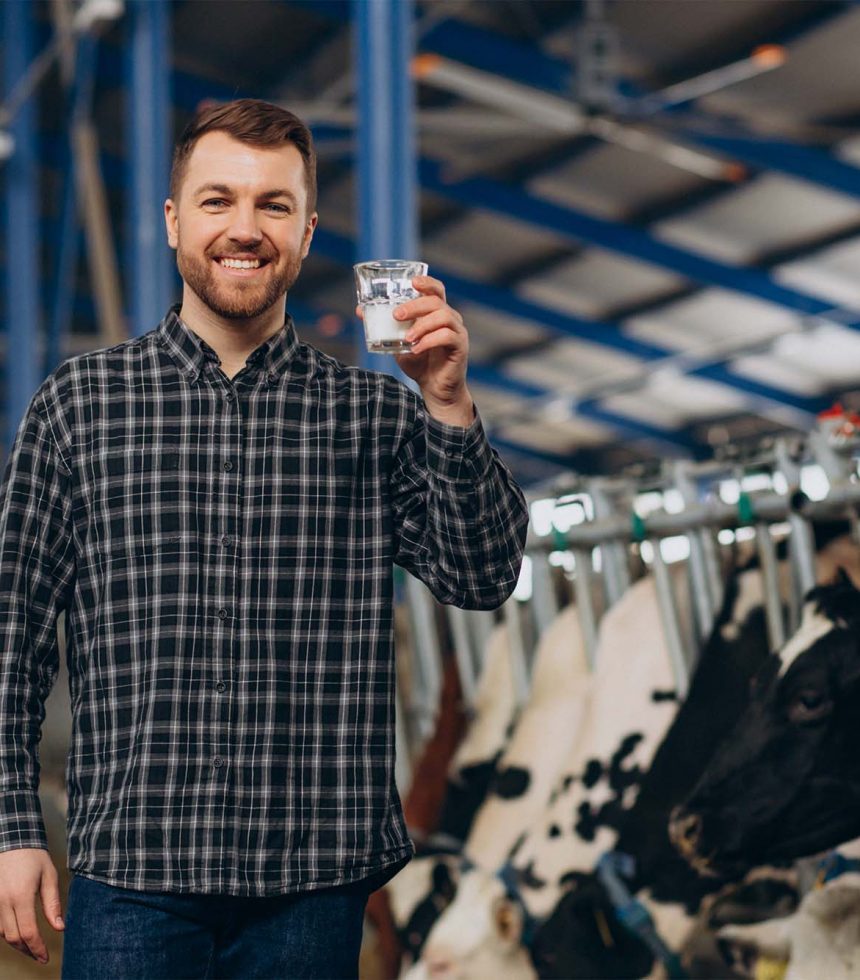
[(381, 287)]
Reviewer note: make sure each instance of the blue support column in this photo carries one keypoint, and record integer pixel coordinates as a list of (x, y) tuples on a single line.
[(23, 312), (385, 136), (149, 259), (69, 232)]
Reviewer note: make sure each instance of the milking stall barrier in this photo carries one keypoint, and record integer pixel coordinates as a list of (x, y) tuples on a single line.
[(642, 763)]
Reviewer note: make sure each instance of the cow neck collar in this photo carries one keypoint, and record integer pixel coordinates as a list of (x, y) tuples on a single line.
[(614, 871), (833, 865), (507, 875)]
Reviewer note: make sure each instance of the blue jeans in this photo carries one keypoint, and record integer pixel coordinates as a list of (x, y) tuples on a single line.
[(122, 934)]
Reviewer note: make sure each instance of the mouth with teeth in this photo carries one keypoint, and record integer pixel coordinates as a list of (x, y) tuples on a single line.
[(241, 266)]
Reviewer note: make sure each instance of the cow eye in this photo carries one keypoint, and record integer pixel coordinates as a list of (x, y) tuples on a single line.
[(809, 705)]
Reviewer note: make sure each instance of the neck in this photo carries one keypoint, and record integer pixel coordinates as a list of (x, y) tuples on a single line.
[(850, 849), (232, 340)]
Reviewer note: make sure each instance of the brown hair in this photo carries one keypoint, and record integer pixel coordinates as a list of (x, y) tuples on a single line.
[(249, 121)]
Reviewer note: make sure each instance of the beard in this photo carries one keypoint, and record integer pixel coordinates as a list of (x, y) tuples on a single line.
[(244, 299)]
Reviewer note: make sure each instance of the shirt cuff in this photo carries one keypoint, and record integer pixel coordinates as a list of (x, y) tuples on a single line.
[(455, 453)]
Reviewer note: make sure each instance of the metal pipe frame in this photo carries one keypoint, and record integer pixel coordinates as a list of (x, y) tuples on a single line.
[(517, 651), (458, 621), (679, 658), (582, 585), (702, 578), (544, 602), (768, 507), (770, 575)]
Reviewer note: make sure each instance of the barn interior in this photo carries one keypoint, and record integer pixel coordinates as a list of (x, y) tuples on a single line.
[(648, 214)]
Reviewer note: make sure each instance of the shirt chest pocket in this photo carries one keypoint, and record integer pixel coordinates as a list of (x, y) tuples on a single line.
[(139, 501)]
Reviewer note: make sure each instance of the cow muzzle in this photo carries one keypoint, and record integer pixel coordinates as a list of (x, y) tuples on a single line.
[(686, 832)]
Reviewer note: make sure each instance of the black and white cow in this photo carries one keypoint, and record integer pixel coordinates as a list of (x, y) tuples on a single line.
[(583, 938), (604, 803), (546, 730), (786, 782), (523, 777), (630, 707)]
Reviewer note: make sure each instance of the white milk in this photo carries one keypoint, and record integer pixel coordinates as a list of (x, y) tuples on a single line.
[(381, 328)]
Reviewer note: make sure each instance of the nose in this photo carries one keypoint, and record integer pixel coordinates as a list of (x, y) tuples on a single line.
[(244, 227), (439, 965), (685, 830)]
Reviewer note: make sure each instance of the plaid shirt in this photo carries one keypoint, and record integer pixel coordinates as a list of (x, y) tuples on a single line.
[(223, 549)]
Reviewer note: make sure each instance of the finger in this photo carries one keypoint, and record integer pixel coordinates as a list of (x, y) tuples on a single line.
[(11, 933), (412, 308), (427, 284), (443, 337), (434, 321), (359, 312), (50, 894), (29, 932)]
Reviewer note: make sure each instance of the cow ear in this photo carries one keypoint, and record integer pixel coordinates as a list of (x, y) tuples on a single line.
[(508, 921), (843, 578), (442, 882)]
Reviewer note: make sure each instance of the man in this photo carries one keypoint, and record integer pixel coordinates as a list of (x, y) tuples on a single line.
[(217, 506)]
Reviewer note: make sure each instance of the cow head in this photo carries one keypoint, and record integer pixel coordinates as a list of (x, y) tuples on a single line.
[(478, 935), (786, 782), (419, 894)]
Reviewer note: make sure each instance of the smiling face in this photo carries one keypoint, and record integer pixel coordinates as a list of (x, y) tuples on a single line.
[(239, 225)]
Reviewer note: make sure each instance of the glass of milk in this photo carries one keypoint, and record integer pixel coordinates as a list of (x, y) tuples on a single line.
[(381, 286)]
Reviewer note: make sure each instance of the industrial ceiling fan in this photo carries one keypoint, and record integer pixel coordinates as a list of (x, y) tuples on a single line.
[(652, 123)]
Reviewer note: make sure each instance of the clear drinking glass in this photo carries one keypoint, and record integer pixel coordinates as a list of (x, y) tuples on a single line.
[(381, 286)]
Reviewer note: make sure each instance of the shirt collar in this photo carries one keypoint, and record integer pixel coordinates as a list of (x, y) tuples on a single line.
[(191, 352)]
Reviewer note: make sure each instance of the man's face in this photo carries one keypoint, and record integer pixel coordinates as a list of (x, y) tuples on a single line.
[(239, 225)]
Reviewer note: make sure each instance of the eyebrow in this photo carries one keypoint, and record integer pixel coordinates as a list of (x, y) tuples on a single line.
[(265, 196)]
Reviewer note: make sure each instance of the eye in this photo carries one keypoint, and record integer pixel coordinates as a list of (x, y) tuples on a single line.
[(279, 208), (213, 202), (809, 704)]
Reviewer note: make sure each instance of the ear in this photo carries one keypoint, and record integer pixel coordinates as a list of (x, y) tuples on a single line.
[(309, 234), (508, 921), (171, 223), (843, 578)]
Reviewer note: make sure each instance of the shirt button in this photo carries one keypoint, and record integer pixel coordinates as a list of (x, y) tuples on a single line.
[(450, 453), (222, 613), (226, 540), (272, 378), (229, 395), (220, 687), (228, 464), (217, 762)]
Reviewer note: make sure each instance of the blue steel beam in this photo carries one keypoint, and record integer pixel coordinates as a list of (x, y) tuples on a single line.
[(23, 310), (387, 169), (600, 333), (149, 262), (512, 202)]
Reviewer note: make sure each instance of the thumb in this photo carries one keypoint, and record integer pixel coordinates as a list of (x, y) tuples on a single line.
[(50, 894)]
